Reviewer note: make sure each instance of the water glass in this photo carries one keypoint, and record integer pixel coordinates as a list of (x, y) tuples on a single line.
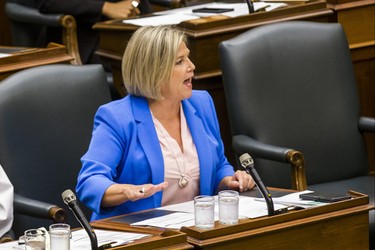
[(204, 211), (228, 207), (35, 239), (59, 236)]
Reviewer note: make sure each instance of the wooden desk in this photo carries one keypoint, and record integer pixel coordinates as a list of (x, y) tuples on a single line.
[(341, 225), (23, 58), (204, 35)]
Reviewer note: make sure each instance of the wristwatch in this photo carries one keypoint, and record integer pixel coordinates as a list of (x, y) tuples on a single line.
[(135, 4)]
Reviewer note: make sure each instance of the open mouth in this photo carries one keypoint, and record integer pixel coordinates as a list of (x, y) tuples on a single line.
[(188, 82)]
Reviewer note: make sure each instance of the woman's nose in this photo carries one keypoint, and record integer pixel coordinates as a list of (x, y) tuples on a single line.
[(191, 65)]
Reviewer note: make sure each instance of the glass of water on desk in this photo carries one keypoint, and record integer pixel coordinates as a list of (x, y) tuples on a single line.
[(204, 211), (35, 239), (228, 207), (59, 236)]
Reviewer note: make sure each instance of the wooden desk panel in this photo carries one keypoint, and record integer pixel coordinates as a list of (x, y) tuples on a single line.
[(358, 20), (204, 35), (341, 230), (341, 225), (160, 239)]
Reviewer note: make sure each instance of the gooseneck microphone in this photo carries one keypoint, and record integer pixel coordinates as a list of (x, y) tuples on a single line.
[(70, 199), (250, 5), (247, 163)]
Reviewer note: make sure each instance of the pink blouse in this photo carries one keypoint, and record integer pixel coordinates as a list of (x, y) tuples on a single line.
[(176, 162)]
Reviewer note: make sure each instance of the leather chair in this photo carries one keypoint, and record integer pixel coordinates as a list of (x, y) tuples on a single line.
[(293, 105), (28, 28), (46, 120)]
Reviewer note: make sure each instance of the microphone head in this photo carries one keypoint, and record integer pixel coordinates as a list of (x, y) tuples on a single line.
[(68, 196), (246, 160)]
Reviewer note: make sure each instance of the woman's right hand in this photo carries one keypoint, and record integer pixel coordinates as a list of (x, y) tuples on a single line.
[(120, 193)]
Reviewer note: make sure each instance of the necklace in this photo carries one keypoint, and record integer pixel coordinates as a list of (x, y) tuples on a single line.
[(183, 181)]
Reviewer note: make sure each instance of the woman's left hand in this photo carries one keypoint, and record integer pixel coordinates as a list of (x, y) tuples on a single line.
[(241, 181)]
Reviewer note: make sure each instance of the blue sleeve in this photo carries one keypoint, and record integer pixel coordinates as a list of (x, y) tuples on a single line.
[(101, 160)]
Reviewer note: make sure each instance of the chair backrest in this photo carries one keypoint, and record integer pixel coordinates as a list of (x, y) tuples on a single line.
[(29, 25), (46, 120), (292, 84)]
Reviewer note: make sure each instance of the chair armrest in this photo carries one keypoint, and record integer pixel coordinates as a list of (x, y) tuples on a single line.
[(39, 209), (70, 38), (245, 144), (366, 124), (25, 14), (8, 236)]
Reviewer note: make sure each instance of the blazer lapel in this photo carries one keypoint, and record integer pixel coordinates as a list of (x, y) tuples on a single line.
[(202, 145), (148, 139)]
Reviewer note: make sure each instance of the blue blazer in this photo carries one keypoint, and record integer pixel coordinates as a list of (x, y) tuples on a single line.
[(125, 148)]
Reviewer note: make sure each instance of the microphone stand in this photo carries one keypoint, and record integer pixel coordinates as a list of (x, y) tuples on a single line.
[(248, 164), (250, 5), (70, 199), (92, 236)]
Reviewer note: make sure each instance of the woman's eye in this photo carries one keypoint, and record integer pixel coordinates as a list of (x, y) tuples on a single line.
[(179, 62)]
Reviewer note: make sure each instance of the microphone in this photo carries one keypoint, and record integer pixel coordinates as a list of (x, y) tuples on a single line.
[(70, 199), (250, 5), (247, 163)]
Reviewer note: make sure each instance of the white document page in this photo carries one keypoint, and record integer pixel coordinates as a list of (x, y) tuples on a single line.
[(81, 241), (294, 200), (168, 19), (4, 55)]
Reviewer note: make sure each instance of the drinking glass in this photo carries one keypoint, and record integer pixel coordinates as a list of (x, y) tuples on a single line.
[(204, 211), (228, 207), (35, 239), (59, 236)]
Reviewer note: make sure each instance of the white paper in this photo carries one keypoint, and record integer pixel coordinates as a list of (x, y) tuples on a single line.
[(81, 241), (294, 200), (168, 19), (12, 245), (4, 55), (173, 220)]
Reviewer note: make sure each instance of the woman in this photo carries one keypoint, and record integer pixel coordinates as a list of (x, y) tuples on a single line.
[(163, 136)]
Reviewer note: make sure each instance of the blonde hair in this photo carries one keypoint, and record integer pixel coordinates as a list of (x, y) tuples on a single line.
[(149, 59)]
